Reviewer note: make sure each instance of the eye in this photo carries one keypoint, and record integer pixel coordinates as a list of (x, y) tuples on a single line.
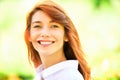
[(54, 26), (37, 26)]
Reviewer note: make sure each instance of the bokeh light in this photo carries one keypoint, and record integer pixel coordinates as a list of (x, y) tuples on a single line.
[(97, 22)]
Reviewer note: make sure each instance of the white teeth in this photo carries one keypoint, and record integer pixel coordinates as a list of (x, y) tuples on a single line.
[(45, 43)]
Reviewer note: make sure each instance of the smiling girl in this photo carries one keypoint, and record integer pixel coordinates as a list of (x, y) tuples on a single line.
[(53, 44)]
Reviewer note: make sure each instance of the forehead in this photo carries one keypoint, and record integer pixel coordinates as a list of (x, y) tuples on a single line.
[(40, 16)]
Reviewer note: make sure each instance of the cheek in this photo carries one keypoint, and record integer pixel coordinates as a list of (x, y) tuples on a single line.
[(33, 35), (59, 34)]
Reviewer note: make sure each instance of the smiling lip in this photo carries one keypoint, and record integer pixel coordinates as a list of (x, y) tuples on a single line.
[(45, 43)]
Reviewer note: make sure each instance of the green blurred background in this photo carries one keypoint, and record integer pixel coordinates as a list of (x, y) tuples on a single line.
[(97, 22)]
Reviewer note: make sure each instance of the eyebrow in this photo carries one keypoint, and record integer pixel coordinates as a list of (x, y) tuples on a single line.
[(41, 22), (36, 22)]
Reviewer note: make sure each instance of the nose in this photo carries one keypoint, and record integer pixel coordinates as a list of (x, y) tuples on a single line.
[(45, 32)]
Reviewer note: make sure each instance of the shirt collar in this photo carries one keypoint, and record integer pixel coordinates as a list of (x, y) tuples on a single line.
[(57, 67)]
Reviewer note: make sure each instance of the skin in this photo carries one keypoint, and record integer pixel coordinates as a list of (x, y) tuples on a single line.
[(48, 38), (47, 56)]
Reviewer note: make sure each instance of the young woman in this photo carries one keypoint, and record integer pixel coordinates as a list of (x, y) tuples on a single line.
[(53, 44)]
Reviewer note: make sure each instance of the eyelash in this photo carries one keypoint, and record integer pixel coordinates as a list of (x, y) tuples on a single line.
[(54, 26), (36, 26)]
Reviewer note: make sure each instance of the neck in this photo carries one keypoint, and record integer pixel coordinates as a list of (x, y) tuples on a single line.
[(50, 60)]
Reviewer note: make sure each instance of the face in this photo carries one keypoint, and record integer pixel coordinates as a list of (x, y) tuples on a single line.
[(47, 36)]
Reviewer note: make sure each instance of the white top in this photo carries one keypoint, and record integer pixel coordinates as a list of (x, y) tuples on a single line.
[(66, 70)]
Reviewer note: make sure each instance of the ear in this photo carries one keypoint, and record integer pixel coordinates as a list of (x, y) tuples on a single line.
[(66, 39), (29, 38)]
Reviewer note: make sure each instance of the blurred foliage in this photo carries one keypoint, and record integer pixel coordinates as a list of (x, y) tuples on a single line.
[(99, 3), (15, 77), (97, 23)]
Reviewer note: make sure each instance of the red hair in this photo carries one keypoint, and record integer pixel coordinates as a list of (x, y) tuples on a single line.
[(72, 48)]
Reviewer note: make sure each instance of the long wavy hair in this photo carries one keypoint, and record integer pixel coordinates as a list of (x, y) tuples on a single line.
[(72, 48)]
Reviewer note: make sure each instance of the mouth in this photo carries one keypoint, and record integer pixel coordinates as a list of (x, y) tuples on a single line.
[(45, 43)]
